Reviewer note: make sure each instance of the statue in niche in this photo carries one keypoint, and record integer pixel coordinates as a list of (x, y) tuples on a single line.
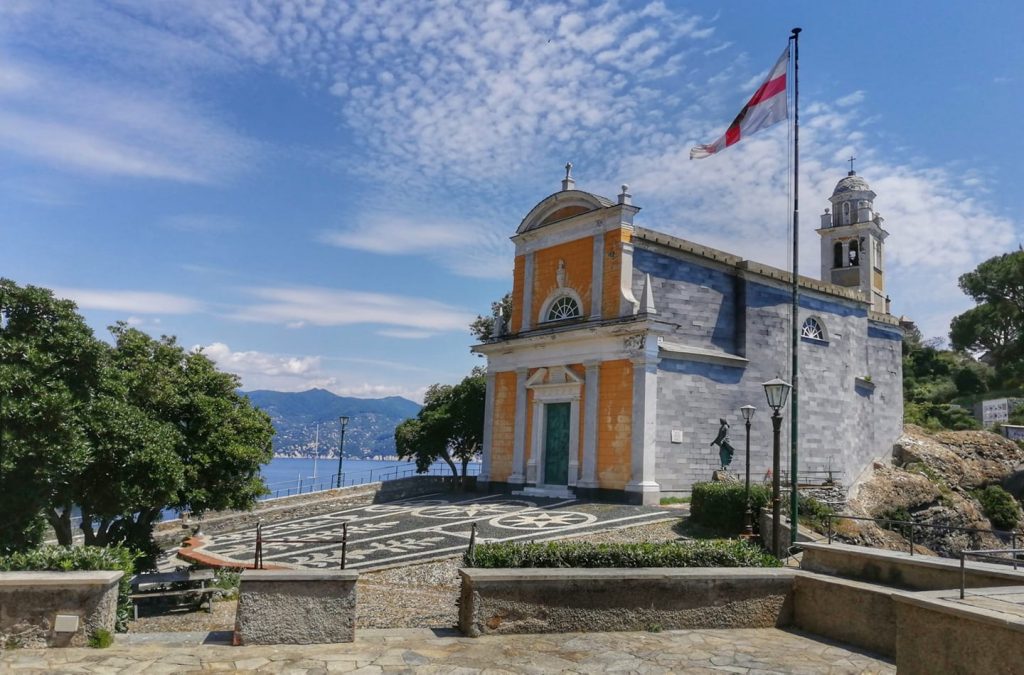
[(725, 449)]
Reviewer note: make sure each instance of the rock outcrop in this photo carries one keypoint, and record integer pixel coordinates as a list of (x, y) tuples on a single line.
[(930, 481)]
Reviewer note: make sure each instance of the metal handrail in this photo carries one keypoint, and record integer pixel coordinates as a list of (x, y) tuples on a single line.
[(912, 525), (362, 478), (985, 553)]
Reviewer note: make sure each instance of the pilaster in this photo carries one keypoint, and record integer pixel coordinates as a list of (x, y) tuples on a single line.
[(485, 463), (597, 278), (645, 423), (588, 478), (527, 309), (518, 476)]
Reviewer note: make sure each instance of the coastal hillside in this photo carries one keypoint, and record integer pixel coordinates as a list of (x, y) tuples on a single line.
[(295, 415)]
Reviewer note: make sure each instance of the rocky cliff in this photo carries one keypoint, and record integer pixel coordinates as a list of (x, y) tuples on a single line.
[(932, 480)]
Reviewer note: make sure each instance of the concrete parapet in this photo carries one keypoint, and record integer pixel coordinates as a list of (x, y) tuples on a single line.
[(56, 609), (938, 633), (296, 607), (570, 600), (895, 568), (853, 612)]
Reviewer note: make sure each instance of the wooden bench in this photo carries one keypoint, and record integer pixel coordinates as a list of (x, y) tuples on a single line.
[(161, 585)]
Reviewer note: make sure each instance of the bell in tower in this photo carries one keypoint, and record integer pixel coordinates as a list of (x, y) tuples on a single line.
[(852, 239)]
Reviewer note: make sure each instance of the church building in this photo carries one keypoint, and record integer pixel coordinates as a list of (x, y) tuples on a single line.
[(626, 346)]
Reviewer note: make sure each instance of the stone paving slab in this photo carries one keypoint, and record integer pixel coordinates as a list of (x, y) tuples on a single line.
[(424, 528), (753, 651)]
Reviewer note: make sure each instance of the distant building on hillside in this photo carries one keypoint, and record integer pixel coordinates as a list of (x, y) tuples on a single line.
[(626, 346), (996, 410)]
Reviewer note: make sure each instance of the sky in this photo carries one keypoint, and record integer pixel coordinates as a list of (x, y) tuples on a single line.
[(321, 193)]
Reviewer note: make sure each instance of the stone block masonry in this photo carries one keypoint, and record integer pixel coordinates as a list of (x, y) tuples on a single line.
[(31, 601), (296, 607)]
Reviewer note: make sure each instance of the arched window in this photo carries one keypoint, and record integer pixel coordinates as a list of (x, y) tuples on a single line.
[(854, 253), (846, 213), (563, 308), (813, 329), (837, 254)]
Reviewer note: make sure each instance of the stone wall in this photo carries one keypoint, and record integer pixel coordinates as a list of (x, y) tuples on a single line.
[(848, 611), (571, 600), (296, 607), (31, 601)]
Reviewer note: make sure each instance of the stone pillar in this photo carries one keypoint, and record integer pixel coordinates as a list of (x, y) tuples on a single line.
[(574, 440), (645, 425), (518, 476), (485, 458), (588, 478), (535, 467)]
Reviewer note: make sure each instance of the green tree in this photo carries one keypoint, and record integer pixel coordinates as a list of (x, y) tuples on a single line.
[(48, 373), (449, 427), (483, 326), (996, 325)]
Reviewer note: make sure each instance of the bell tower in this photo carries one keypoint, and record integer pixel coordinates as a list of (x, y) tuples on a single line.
[(852, 241)]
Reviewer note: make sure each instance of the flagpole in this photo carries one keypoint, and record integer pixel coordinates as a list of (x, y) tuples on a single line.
[(793, 476)]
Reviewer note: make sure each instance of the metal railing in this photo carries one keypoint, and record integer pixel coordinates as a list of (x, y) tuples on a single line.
[(319, 484), (258, 558), (912, 526), (990, 554)]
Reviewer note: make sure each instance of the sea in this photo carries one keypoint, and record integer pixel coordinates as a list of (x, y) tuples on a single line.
[(291, 475)]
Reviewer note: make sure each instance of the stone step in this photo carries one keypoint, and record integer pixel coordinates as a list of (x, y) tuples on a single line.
[(554, 492)]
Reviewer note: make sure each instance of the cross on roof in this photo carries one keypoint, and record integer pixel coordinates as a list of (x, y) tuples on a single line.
[(851, 163)]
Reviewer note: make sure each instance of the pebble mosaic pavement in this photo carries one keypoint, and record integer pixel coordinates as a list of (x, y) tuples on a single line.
[(424, 528)]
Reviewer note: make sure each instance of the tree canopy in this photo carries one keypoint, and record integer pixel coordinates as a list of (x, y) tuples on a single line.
[(121, 432), (449, 427), (483, 326)]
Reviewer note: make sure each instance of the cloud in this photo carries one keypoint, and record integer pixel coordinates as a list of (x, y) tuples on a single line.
[(281, 372), (75, 123), (201, 223), (131, 302), (406, 334), (335, 307), (855, 98)]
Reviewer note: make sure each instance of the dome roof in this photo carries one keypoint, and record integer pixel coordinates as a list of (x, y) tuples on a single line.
[(852, 183)]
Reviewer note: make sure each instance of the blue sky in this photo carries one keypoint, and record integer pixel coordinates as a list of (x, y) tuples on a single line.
[(321, 193)]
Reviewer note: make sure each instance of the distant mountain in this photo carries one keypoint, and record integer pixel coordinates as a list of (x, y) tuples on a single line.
[(370, 431)]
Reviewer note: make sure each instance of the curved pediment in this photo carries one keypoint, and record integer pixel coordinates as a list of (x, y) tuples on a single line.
[(562, 205)]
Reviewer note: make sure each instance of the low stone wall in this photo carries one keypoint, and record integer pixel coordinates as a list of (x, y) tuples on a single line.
[(802, 533), (848, 611), (940, 635), (296, 607), (30, 603), (170, 533), (496, 601), (895, 568)]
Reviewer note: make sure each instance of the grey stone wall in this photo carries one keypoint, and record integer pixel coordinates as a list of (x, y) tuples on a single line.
[(296, 607), (31, 601), (845, 419), (504, 601)]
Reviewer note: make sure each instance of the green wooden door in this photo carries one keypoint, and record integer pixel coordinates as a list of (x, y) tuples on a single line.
[(556, 444)]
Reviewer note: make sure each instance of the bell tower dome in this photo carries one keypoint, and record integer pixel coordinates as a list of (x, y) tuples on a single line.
[(852, 240)]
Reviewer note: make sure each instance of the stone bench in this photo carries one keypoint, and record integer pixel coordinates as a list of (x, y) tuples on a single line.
[(56, 609), (296, 607), (568, 600)]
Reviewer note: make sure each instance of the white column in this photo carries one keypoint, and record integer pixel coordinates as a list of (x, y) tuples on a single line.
[(645, 425), (527, 308), (518, 476), (588, 479), (597, 277), (574, 440), (535, 467), (485, 461)]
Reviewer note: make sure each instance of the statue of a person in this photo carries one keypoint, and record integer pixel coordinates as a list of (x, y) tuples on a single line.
[(725, 449)]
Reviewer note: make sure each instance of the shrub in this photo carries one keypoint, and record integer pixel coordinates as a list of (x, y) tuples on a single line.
[(81, 558), (101, 639), (897, 514), (722, 506), (228, 579), (812, 512), (999, 506), (695, 553)]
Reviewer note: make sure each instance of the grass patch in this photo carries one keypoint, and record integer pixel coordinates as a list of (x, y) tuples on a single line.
[(101, 639), (573, 554), (665, 501)]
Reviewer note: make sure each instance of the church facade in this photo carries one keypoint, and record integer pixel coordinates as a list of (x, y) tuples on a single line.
[(626, 347)]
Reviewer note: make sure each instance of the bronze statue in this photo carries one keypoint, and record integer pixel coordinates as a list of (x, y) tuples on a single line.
[(725, 449)]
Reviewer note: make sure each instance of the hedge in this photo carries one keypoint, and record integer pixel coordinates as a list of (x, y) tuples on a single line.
[(695, 553), (723, 506), (81, 558)]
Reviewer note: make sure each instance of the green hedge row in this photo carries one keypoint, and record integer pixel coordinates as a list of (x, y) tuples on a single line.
[(695, 553), (723, 506), (81, 558)]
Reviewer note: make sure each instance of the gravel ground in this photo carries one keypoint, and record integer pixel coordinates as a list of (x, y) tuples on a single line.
[(416, 596)]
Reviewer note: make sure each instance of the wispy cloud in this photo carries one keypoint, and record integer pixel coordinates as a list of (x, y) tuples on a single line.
[(335, 307), (208, 223), (130, 302)]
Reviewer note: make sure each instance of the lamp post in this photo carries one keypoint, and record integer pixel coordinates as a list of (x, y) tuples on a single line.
[(748, 414), (343, 421), (776, 391)]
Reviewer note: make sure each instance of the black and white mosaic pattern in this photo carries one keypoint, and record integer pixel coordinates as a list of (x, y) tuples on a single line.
[(381, 535)]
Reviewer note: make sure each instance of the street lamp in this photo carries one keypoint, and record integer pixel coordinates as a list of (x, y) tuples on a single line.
[(748, 414), (776, 391), (343, 421)]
